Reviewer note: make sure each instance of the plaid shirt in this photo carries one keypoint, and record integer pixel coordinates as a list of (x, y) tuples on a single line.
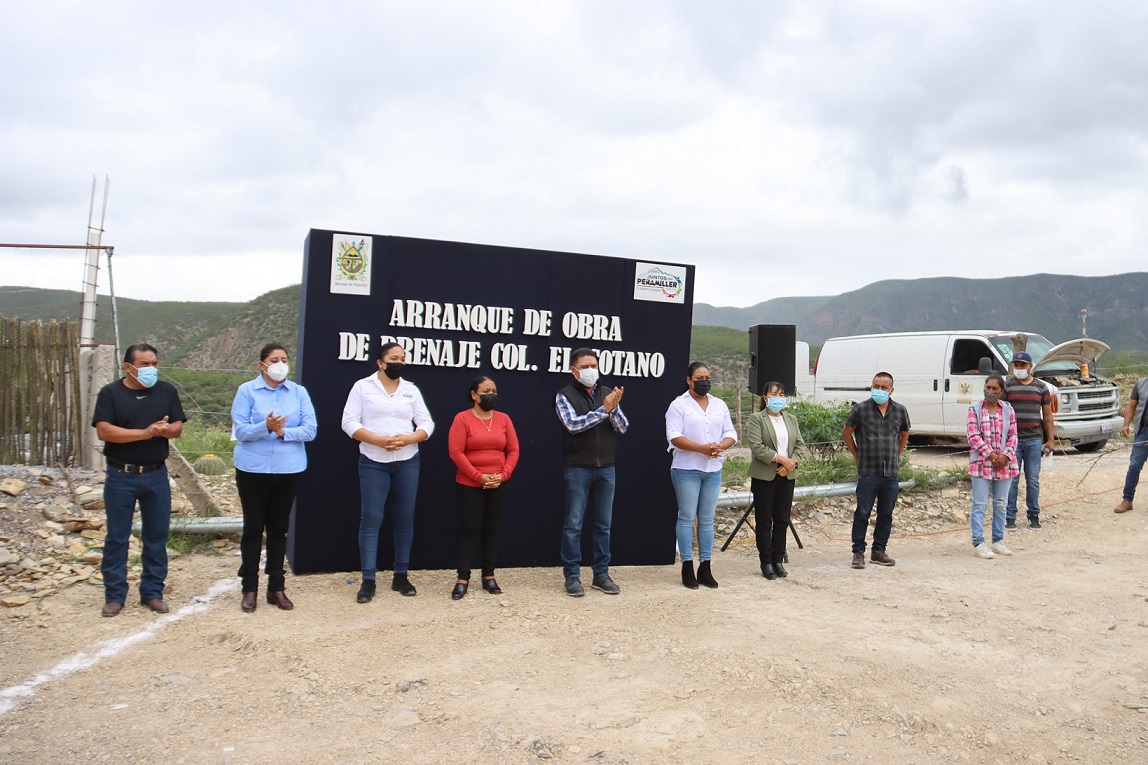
[(878, 437), (989, 438)]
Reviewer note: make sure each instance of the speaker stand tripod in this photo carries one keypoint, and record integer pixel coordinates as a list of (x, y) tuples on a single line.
[(745, 520)]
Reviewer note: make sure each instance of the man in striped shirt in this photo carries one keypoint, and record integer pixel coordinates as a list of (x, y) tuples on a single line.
[(1032, 403)]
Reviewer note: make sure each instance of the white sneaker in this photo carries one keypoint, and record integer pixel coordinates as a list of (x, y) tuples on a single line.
[(982, 551), (1000, 549)]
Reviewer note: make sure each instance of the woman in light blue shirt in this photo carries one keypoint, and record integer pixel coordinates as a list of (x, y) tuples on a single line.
[(271, 418)]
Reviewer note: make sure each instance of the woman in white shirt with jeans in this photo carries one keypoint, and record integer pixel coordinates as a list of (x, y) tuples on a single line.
[(387, 416), (699, 429)]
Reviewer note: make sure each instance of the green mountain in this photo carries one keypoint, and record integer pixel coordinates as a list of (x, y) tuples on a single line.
[(1048, 304), (228, 336)]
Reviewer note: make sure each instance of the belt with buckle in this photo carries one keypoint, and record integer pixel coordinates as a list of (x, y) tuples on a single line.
[(121, 467)]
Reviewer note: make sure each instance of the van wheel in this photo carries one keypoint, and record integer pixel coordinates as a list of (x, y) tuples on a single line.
[(1091, 447)]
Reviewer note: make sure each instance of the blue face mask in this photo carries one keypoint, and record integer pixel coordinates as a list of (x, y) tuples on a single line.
[(775, 403), (879, 396), (146, 375)]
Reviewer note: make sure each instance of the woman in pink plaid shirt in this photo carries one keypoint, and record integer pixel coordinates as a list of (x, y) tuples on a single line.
[(992, 463)]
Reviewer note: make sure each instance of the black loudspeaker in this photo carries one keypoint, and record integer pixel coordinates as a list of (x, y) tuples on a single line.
[(772, 356)]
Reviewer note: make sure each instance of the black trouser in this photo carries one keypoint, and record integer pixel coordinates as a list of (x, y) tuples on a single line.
[(479, 510), (267, 499), (772, 503)]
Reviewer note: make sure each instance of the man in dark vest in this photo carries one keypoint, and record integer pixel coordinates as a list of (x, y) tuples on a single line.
[(591, 415)]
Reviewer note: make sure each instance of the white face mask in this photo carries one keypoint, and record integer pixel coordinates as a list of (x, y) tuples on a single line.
[(277, 371), (1021, 374), (588, 377)]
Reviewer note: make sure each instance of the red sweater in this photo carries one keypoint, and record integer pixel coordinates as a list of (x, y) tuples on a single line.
[(478, 451)]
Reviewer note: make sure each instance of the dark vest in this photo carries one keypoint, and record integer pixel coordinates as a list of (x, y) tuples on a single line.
[(593, 447)]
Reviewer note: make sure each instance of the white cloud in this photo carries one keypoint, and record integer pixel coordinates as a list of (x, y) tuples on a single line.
[(783, 148)]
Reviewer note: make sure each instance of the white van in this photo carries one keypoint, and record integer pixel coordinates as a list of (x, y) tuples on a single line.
[(938, 374)]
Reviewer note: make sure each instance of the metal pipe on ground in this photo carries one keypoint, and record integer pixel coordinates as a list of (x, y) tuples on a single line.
[(743, 498)]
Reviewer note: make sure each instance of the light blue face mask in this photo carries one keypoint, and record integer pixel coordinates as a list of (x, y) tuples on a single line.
[(775, 403), (146, 375), (879, 396)]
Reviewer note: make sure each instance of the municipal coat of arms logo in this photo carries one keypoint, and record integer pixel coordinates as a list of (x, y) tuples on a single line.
[(351, 264)]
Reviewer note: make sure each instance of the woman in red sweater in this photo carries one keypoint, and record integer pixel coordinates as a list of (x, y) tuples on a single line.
[(483, 444)]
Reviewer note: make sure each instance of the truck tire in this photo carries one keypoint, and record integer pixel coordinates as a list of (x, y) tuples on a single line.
[(1091, 447)]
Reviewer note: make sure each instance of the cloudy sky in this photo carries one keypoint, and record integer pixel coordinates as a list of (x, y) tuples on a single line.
[(784, 148)]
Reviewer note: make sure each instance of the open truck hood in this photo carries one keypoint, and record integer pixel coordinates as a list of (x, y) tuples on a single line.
[(1083, 350)]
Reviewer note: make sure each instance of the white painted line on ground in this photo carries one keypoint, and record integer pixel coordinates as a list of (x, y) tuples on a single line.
[(10, 696)]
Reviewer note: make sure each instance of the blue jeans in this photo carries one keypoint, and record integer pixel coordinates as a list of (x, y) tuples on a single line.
[(1028, 459), (697, 493), (1000, 489), (593, 488), (1139, 454), (880, 489), (121, 493), (378, 482)]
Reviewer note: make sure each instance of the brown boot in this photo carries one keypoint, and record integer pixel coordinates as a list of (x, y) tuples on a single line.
[(1123, 507), (881, 559), (858, 560), (249, 602)]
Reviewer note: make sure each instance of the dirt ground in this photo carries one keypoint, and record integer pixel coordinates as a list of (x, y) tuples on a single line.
[(1041, 657)]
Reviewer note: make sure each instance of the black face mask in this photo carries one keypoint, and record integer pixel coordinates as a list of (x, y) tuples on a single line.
[(395, 369), (487, 401), (702, 387)]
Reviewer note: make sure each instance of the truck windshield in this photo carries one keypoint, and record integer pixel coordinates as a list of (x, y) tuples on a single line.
[(1038, 346)]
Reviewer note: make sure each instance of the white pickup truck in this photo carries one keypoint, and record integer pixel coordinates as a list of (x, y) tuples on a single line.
[(938, 374)]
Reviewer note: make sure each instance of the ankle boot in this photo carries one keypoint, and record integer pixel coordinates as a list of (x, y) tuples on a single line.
[(780, 569), (767, 571), (705, 576), (402, 585), (688, 578), (366, 591)]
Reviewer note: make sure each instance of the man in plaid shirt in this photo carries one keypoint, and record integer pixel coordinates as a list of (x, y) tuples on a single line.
[(876, 433)]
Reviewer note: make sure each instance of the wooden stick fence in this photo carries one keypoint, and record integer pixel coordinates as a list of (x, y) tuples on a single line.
[(41, 415)]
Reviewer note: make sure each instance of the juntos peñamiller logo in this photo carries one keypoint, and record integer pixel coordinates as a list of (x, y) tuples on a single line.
[(659, 283)]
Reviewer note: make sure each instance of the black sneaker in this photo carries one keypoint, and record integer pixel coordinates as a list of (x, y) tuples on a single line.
[(1010, 523), (1034, 522), (605, 584)]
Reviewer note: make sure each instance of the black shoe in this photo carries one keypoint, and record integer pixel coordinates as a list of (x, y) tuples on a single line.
[(688, 578), (366, 591), (459, 590), (491, 586), (1034, 522), (705, 576), (768, 571), (1010, 523), (402, 585), (780, 570)]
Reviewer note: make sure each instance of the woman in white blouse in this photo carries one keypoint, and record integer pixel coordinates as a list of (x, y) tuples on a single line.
[(699, 429), (775, 443), (387, 416)]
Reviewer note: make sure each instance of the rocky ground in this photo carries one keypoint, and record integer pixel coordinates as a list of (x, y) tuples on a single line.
[(1040, 657)]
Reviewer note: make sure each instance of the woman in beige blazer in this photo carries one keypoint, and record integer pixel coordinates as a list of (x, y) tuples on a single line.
[(775, 442)]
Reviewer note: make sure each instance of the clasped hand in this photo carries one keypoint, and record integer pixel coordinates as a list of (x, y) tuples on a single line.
[(276, 423)]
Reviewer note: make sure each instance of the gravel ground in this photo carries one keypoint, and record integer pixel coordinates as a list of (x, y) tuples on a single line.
[(1039, 657)]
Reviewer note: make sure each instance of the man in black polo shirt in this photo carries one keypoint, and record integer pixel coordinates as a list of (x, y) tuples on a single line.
[(135, 417), (876, 433)]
